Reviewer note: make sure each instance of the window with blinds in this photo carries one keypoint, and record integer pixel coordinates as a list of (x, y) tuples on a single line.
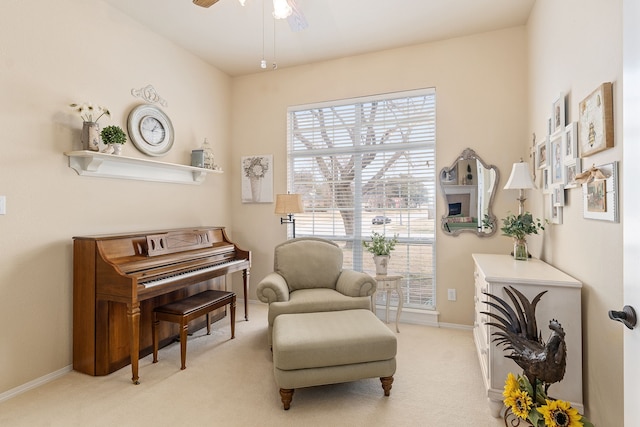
[(368, 164)]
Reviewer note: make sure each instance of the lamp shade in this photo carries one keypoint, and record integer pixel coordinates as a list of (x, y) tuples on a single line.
[(520, 178), (288, 204), (281, 9)]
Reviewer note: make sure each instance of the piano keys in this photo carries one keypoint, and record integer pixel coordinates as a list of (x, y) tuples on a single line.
[(118, 279)]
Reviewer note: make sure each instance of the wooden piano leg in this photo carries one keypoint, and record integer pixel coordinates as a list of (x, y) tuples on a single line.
[(133, 317), (245, 282)]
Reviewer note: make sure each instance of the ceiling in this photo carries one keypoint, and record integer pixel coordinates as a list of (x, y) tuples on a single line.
[(230, 36)]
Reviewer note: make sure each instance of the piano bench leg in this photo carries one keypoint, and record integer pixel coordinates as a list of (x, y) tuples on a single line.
[(183, 345), (208, 323), (155, 324)]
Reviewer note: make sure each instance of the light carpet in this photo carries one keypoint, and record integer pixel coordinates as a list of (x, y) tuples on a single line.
[(230, 383)]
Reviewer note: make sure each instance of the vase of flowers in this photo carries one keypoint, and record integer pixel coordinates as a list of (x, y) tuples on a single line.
[(519, 227), (380, 246), (533, 407), (90, 115), (255, 168)]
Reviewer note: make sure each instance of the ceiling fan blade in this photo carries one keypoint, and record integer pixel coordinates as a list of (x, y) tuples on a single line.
[(296, 20), (205, 3)]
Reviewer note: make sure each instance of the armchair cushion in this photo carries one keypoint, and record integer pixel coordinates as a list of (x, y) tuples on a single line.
[(308, 263), (317, 300)]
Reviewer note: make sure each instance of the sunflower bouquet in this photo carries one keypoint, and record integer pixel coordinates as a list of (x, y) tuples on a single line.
[(536, 407)]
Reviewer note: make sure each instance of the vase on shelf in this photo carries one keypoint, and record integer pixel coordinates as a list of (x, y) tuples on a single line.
[(117, 149), (520, 250), (90, 136), (208, 159)]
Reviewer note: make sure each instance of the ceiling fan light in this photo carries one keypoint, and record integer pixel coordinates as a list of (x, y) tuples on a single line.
[(281, 9), (242, 2)]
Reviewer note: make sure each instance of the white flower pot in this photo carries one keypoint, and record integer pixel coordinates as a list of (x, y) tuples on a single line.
[(381, 262)]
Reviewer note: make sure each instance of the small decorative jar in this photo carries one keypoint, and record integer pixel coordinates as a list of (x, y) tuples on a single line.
[(207, 152)]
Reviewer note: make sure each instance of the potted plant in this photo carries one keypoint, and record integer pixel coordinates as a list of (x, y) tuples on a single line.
[(519, 227), (381, 246), (114, 137)]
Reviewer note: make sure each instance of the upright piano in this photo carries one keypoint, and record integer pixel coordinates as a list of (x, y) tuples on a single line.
[(118, 280)]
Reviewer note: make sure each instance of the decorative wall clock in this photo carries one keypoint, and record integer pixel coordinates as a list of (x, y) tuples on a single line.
[(150, 130)]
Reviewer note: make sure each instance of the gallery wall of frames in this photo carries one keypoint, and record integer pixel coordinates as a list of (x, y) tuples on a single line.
[(565, 157)]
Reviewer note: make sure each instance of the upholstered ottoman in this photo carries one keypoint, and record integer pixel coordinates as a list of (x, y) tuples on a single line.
[(311, 349)]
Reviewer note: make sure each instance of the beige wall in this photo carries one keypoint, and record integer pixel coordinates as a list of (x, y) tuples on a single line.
[(574, 46), (481, 91), (493, 91), (52, 54)]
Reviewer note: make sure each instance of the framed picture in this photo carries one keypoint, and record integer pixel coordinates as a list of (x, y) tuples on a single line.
[(570, 142), (555, 212), (558, 115), (601, 195), (558, 195), (257, 179), (595, 125), (546, 186), (571, 170), (556, 158), (541, 154)]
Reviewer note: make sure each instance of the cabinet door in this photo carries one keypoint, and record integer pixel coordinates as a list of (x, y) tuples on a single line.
[(562, 304)]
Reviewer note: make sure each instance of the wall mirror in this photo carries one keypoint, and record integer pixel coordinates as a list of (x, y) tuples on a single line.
[(469, 186)]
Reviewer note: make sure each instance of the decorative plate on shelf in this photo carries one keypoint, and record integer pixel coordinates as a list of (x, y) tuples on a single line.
[(150, 130)]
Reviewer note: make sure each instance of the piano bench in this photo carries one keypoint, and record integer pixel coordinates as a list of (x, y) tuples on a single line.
[(185, 310)]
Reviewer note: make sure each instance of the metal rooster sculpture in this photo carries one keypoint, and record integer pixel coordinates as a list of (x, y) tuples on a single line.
[(518, 332)]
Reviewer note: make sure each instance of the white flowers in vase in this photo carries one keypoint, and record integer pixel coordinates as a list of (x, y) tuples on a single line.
[(89, 112), (255, 167)]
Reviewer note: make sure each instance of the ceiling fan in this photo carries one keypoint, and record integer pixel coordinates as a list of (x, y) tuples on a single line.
[(281, 9)]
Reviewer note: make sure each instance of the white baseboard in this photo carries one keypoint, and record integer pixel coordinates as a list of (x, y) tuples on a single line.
[(410, 315), (35, 383)]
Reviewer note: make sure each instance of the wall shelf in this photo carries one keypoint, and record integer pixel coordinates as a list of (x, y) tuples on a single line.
[(93, 163)]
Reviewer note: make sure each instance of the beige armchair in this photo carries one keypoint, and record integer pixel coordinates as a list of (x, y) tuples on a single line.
[(308, 277)]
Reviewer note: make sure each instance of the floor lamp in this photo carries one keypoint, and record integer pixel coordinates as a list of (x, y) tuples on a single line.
[(520, 179), (289, 204)]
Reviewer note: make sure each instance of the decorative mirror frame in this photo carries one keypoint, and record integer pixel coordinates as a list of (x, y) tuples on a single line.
[(451, 171)]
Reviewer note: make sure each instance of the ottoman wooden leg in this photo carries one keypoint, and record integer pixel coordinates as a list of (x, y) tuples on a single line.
[(386, 384), (286, 394)]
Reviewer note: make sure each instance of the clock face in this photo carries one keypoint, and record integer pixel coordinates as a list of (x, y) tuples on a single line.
[(150, 130)]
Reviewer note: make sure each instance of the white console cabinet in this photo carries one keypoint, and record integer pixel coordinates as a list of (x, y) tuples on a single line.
[(562, 302)]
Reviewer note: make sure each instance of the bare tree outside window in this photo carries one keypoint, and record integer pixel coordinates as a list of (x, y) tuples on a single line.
[(368, 165)]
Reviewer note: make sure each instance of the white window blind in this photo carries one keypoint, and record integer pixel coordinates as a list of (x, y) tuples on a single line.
[(368, 164)]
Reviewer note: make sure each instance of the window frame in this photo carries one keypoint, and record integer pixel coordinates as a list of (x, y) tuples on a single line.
[(357, 150)]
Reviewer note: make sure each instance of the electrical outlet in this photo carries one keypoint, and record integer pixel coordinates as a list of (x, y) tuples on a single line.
[(3, 205), (451, 294)]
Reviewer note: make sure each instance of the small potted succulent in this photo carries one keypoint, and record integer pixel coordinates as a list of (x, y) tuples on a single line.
[(114, 137), (381, 246)]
